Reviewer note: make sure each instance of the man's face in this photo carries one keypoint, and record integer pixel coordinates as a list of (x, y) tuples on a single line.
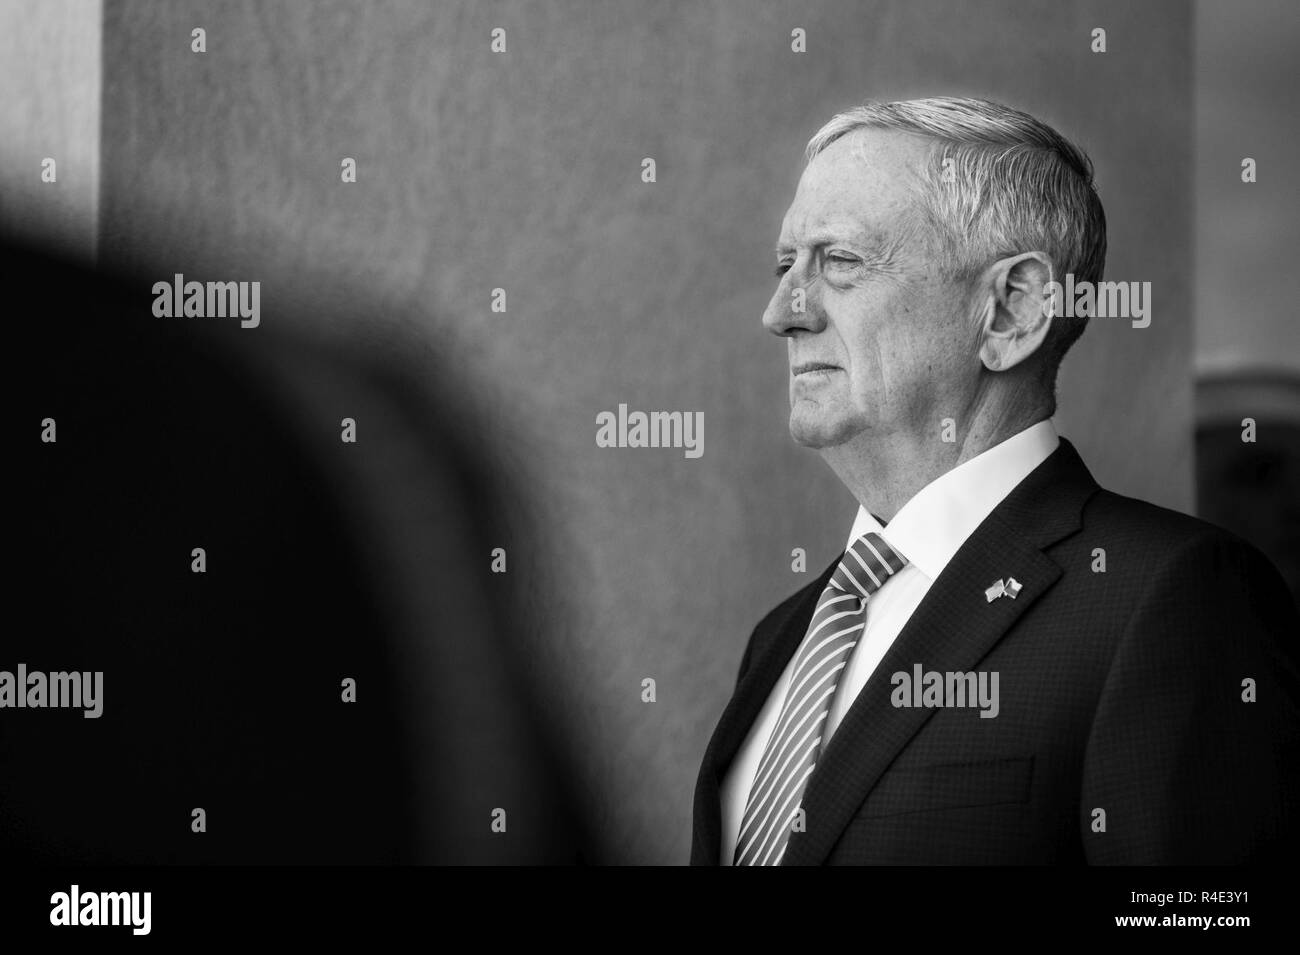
[(885, 342)]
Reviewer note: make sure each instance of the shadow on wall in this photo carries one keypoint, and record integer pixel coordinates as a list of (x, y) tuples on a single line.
[(305, 655), (1248, 461)]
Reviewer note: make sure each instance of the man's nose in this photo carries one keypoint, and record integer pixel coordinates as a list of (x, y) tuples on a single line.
[(793, 306)]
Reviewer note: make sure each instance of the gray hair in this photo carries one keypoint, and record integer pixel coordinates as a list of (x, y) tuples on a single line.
[(999, 182)]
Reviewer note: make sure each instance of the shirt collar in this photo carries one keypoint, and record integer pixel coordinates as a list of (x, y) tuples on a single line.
[(930, 528)]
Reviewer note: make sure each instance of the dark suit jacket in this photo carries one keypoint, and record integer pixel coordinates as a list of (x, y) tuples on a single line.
[(1119, 690)]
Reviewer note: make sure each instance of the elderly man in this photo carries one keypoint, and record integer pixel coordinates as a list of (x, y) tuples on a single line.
[(1008, 664)]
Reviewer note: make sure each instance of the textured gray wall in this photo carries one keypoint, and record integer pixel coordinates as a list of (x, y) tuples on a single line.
[(1246, 283), (522, 171)]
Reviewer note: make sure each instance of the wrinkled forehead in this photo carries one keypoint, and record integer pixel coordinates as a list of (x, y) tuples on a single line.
[(864, 183)]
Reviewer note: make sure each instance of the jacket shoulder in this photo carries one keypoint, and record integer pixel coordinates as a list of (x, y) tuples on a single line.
[(1169, 551), (1160, 529)]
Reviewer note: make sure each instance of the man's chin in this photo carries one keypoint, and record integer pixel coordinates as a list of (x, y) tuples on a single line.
[(816, 432)]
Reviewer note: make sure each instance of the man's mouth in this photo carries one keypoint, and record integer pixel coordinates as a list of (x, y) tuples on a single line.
[(811, 366)]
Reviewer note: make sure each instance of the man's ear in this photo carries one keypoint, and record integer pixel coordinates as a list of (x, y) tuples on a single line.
[(1017, 313)]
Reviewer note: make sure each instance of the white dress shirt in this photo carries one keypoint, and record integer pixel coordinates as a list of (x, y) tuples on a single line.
[(928, 531)]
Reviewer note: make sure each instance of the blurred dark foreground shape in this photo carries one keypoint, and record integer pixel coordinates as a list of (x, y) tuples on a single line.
[(325, 561)]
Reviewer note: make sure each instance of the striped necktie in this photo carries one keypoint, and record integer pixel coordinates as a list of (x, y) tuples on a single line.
[(791, 751)]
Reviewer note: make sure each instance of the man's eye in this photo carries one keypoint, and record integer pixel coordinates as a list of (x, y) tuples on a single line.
[(842, 261), (781, 269)]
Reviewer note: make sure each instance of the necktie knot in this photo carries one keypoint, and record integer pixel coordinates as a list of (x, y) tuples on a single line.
[(866, 565)]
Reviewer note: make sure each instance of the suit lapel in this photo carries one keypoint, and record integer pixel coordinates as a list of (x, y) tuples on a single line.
[(952, 629), (774, 643)]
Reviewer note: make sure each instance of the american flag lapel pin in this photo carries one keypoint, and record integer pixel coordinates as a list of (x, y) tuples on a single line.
[(1012, 587), (996, 591)]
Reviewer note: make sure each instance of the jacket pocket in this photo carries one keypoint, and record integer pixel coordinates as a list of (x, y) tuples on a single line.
[(950, 786)]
